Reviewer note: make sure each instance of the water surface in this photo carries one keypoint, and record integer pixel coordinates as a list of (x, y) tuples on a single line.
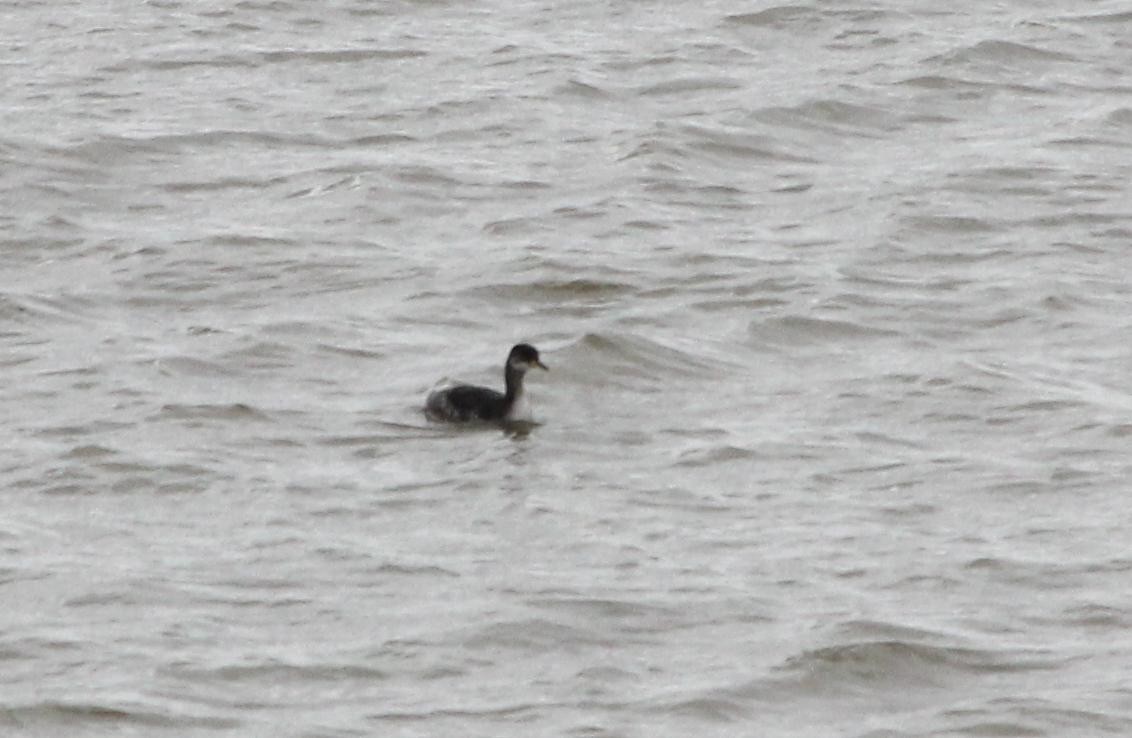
[(835, 441)]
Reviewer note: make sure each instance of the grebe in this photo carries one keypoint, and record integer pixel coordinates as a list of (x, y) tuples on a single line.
[(465, 402)]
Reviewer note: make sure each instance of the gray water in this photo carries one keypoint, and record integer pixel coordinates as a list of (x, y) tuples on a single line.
[(835, 297)]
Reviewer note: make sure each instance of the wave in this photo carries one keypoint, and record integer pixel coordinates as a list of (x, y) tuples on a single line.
[(276, 672), (236, 411), (626, 359), (72, 715), (799, 330), (689, 84), (257, 59), (105, 148), (778, 17), (32, 309), (835, 116), (877, 664), (534, 635), (997, 51)]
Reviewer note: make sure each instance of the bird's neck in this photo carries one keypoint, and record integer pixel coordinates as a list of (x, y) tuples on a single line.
[(513, 380)]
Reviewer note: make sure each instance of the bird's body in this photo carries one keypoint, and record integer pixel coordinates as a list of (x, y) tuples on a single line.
[(464, 402)]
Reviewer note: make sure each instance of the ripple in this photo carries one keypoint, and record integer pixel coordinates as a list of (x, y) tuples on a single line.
[(684, 86), (70, 714), (779, 17), (835, 303), (738, 145), (904, 662), (32, 309), (999, 51), (832, 115), (951, 224), (1119, 17), (1031, 716), (806, 331), (193, 367), (109, 149), (236, 411), (222, 184), (585, 90), (625, 358), (557, 291), (707, 709), (277, 672), (716, 455), (533, 635)]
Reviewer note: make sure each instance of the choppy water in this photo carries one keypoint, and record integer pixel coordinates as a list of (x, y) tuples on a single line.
[(836, 437)]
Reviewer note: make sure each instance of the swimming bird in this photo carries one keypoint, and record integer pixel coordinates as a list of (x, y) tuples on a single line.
[(465, 402)]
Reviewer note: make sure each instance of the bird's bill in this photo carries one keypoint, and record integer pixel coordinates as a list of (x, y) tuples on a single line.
[(542, 366)]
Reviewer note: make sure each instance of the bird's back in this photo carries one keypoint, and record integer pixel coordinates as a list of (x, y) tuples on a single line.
[(465, 402)]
